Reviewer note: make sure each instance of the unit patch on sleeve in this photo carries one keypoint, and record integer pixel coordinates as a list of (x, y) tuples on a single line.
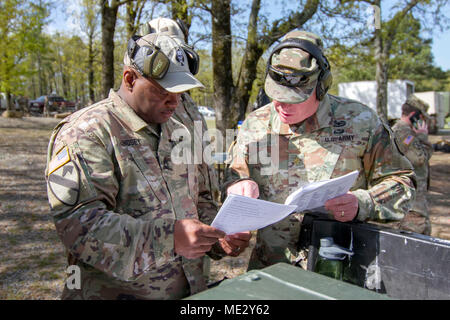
[(64, 178), (408, 140)]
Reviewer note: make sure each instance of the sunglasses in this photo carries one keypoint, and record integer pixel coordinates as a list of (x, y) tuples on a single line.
[(290, 79)]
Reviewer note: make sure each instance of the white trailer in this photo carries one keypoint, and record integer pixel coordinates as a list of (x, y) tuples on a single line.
[(366, 93), (439, 103)]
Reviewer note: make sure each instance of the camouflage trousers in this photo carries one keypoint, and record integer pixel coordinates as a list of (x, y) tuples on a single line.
[(413, 221)]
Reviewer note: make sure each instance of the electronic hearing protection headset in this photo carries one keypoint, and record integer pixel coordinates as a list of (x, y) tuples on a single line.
[(325, 77), (192, 56), (183, 27), (148, 59)]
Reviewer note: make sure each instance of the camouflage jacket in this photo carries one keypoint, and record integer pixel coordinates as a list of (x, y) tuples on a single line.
[(342, 136), (418, 150), (188, 114), (115, 202)]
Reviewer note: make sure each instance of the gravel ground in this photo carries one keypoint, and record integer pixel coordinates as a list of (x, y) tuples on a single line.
[(32, 259)]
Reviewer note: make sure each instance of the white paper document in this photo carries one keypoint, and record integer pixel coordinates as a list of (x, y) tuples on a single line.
[(315, 194), (239, 213)]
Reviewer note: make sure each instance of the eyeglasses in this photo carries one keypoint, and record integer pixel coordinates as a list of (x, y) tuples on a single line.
[(290, 79)]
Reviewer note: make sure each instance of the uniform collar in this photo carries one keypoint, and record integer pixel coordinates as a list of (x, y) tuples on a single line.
[(127, 114), (321, 119)]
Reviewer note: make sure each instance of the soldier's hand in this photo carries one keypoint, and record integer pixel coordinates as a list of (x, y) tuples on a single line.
[(422, 127), (193, 238), (246, 188), (235, 244), (343, 208)]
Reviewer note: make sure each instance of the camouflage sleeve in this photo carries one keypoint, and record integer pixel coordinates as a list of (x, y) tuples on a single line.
[(390, 178), (426, 145), (415, 147), (237, 168), (117, 244)]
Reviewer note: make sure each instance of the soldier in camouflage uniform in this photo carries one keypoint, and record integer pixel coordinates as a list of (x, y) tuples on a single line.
[(309, 136), (128, 215), (412, 140)]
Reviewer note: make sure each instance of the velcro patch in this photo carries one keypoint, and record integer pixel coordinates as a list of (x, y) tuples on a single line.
[(408, 140), (343, 138), (64, 183), (130, 142), (61, 158)]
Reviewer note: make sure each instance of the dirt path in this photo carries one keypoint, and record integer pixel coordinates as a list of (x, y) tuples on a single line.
[(32, 259), (439, 193), (31, 255)]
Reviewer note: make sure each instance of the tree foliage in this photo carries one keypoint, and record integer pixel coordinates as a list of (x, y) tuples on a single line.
[(21, 24), (233, 39), (411, 58)]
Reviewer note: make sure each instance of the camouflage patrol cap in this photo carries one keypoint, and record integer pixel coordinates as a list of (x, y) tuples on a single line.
[(415, 102), (294, 60)]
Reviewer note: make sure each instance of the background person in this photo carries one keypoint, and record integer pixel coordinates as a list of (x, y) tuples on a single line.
[(319, 136), (411, 134)]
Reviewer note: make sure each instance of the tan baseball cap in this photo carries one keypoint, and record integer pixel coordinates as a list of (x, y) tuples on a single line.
[(178, 77)]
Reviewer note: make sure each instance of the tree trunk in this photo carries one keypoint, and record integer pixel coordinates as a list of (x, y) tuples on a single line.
[(381, 76), (64, 80), (91, 68), (40, 77), (130, 20), (248, 72), (109, 18), (382, 54), (222, 64), (9, 105)]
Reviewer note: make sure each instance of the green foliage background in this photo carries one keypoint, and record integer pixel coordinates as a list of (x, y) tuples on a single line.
[(34, 63)]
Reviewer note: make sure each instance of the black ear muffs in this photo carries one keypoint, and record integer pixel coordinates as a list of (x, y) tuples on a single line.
[(183, 27), (325, 78), (193, 59)]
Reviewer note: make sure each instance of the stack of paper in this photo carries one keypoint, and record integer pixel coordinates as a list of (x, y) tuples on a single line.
[(239, 213)]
